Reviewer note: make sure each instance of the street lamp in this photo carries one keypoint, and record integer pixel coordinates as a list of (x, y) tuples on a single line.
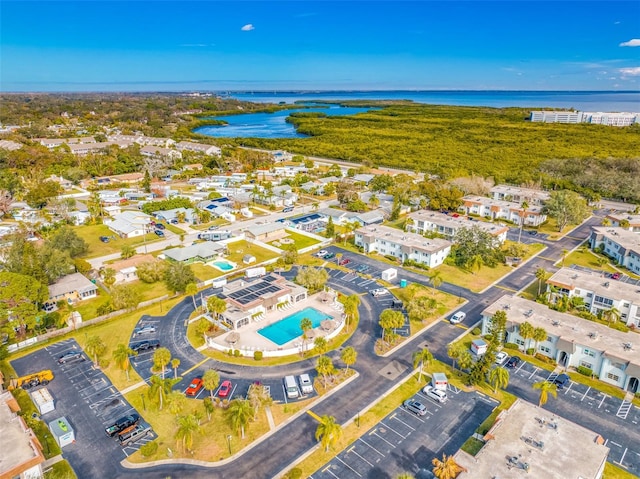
[(144, 406), (229, 442), (46, 442)]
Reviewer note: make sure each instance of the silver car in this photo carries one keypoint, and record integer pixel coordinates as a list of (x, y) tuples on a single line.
[(415, 407)]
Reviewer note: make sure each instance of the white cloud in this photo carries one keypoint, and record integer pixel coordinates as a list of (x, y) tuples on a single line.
[(630, 72), (634, 42), (248, 27)]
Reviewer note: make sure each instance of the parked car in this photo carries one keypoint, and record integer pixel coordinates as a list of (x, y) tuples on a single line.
[(213, 228), (159, 233), (104, 239), (344, 262), (513, 361), (458, 317), (70, 357), (533, 233), (160, 226), (194, 388), (329, 256), (362, 268), (147, 329), (437, 395), (379, 292), (322, 253), (144, 345), (137, 432), (615, 276), (501, 357), (415, 407), (561, 380), (288, 209), (306, 386), (122, 424), (225, 389)]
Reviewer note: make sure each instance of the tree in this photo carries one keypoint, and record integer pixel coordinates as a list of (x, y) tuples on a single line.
[(390, 319), (611, 315), (454, 351), (191, 290), (66, 239), (498, 328), (447, 468), (320, 345), (188, 426), (330, 230), (239, 413), (121, 355), (539, 334), (567, 207), (305, 325), (127, 251), (150, 271), (498, 378), (349, 356), (176, 400), (159, 389), (125, 296), (161, 358), (175, 363), (351, 304), (328, 432), (374, 201), (546, 388), (474, 241), (95, 348), (325, 368), (346, 192), (381, 183), (350, 227), (541, 276), (523, 217), (109, 276), (475, 263), (178, 275), (313, 279), (207, 403), (526, 331), (210, 381), (146, 182), (290, 254), (40, 193), (420, 357), (20, 298), (258, 396), (465, 360), (420, 308), (435, 279), (216, 305)]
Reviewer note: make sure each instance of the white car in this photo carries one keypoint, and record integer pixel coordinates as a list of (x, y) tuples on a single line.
[(501, 357), (458, 317), (322, 253), (379, 292), (437, 395)]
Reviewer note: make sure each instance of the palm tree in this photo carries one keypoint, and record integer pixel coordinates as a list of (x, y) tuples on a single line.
[(539, 334), (109, 276), (541, 275), (210, 381), (421, 357), (176, 401), (349, 356), (350, 226), (320, 345), (526, 331), (127, 251), (95, 347), (447, 468), (611, 314), (454, 351), (305, 325), (188, 426), (475, 263), (258, 396), (160, 388), (545, 388), (121, 355), (523, 215), (216, 305), (175, 362), (324, 366), (192, 290), (435, 279), (465, 360), (374, 201), (499, 378), (208, 407), (161, 358), (606, 222), (328, 432), (239, 413)]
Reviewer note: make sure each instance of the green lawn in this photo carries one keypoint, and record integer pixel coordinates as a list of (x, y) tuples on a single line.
[(150, 290), (301, 241), (91, 234), (204, 272), (174, 229), (89, 308), (550, 228), (216, 222), (61, 470), (611, 471), (238, 249)]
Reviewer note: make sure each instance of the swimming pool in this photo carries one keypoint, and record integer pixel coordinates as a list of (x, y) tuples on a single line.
[(288, 328), (223, 265)]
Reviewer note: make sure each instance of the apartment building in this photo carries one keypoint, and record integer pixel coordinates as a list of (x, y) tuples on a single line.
[(210, 150), (426, 221), (518, 194), (556, 116), (571, 341), (598, 292), (502, 210), (403, 245), (625, 221), (618, 243), (160, 152), (595, 118)]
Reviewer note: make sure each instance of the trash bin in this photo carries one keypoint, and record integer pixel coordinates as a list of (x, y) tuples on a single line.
[(403, 283)]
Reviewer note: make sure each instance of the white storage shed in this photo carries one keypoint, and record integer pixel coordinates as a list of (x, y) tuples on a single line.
[(43, 400), (389, 274)]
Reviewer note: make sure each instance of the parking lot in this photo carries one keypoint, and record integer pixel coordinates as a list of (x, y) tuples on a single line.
[(405, 442), (86, 397), (616, 420)]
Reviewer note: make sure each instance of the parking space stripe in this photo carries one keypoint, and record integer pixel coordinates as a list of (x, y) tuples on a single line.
[(328, 469), (523, 363), (379, 436), (604, 396), (623, 454), (392, 429), (585, 393), (413, 415), (401, 421), (338, 458), (571, 383), (354, 452), (534, 371), (369, 445)]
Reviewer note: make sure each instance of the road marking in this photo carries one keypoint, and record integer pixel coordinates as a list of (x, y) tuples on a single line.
[(461, 326), (412, 414), (403, 437), (328, 469), (376, 434), (604, 396), (623, 410), (616, 444), (506, 289), (314, 415), (352, 450), (548, 259), (348, 466), (401, 421), (523, 363), (372, 447), (623, 454), (195, 367), (534, 371), (585, 393), (571, 383)]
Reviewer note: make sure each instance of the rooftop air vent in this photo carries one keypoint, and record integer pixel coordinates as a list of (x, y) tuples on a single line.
[(593, 335), (627, 346), (606, 285), (555, 322), (528, 313)]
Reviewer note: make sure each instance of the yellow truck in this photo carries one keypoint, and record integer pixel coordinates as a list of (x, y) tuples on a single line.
[(32, 380)]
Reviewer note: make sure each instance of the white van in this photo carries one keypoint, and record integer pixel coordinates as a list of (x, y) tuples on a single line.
[(305, 384), (291, 387)]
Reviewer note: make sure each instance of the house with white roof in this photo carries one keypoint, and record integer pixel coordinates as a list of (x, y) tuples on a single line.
[(618, 243), (625, 221), (210, 150), (289, 171), (171, 216), (448, 225), (160, 152), (10, 145), (130, 224), (338, 216), (518, 194), (502, 210)]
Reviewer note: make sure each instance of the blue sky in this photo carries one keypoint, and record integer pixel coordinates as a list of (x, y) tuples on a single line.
[(144, 45)]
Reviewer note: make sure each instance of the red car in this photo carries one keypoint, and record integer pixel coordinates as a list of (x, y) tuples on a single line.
[(615, 276), (344, 261), (194, 388), (225, 389)]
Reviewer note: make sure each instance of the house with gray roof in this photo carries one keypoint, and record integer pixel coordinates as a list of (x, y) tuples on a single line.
[(199, 252), (129, 224), (171, 216), (71, 288)]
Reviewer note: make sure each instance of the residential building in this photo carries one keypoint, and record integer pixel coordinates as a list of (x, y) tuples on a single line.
[(448, 225), (618, 243), (599, 293), (372, 217), (526, 441), (571, 341), (10, 145), (266, 232), (56, 142), (279, 156), (311, 222), (123, 178), (518, 194), (363, 178), (112, 210), (595, 118), (556, 116), (278, 196), (502, 210), (251, 300), (63, 182), (289, 171), (86, 148), (130, 224), (173, 216), (383, 201), (193, 167), (126, 269), (199, 252), (142, 140), (210, 150), (630, 222), (71, 288), (338, 216), (405, 246), (20, 451), (160, 152)]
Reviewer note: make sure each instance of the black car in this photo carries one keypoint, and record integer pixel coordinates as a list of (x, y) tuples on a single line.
[(70, 357), (122, 424), (160, 226), (561, 380), (144, 345), (513, 361), (533, 232), (104, 239), (159, 232)]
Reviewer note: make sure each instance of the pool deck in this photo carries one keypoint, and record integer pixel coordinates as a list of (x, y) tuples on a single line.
[(251, 340)]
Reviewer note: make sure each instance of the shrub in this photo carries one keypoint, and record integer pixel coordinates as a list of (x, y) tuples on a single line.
[(585, 371), (257, 355), (391, 258), (544, 358), (511, 346), (104, 308), (530, 351), (295, 473), (103, 363), (236, 353), (476, 331), (149, 449), (230, 352)]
